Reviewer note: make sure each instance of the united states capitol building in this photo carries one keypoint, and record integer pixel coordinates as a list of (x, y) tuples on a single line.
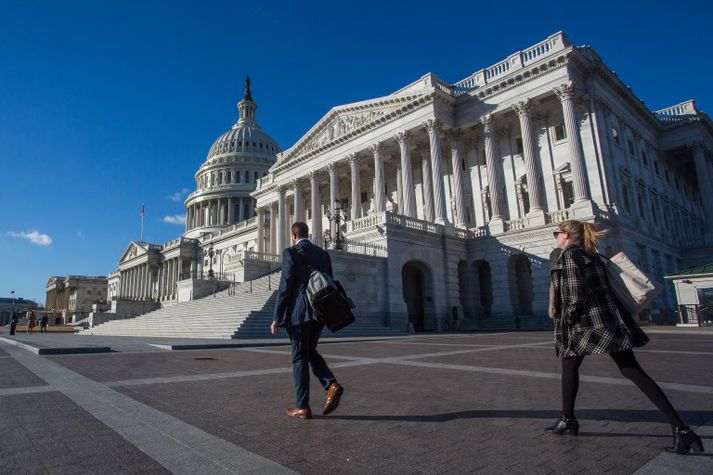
[(446, 194)]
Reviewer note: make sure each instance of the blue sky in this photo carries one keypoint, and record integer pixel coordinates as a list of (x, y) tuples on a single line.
[(105, 106)]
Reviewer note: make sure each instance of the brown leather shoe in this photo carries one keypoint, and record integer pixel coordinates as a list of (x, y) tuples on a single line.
[(305, 413), (334, 393)]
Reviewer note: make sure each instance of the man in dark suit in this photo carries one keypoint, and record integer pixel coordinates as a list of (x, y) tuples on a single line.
[(294, 312)]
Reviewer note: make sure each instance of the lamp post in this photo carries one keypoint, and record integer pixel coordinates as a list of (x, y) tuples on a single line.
[(337, 217), (210, 261), (12, 313)]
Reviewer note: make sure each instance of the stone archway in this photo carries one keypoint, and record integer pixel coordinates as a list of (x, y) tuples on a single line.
[(417, 294), (524, 291)]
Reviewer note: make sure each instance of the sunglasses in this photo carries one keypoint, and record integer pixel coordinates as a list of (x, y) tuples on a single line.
[(557, 233)]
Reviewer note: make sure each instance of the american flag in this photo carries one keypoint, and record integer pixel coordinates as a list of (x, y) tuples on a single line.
[(141, 211)]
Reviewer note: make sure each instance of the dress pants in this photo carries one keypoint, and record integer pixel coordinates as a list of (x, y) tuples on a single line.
[(304, 340)]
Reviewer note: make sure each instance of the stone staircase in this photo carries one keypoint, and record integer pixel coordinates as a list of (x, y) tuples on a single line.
[(245, 311)]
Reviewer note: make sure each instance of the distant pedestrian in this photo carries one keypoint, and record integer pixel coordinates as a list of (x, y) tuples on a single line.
[(43, 323), (589, 320), (31, 322), (14, 318)]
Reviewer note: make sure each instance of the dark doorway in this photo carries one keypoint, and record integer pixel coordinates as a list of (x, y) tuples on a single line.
[(413, 282), (523, 285)]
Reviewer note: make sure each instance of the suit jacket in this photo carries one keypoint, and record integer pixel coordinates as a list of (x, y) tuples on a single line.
[(292, 306)]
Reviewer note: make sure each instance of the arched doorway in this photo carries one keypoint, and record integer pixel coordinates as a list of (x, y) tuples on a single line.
[(415, 278), (484, 286), (524, 291)]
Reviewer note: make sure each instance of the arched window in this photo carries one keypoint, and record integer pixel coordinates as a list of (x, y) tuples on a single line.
[(255, 176), (237, 176), (247, 176), (227, 176)]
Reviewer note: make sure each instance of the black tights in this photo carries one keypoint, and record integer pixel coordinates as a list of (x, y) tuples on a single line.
[(629, 367)]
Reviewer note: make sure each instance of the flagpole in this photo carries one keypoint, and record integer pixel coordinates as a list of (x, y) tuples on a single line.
[(142, 222)]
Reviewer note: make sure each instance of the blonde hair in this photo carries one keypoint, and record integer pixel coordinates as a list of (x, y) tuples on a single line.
[(585, 234)]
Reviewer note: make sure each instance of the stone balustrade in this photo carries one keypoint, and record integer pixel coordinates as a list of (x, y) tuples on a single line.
[(558, 216), (515, 225), (684, 108)]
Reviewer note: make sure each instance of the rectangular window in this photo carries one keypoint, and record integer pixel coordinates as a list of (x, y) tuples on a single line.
[(560, 132), (631, 148), (568, 191), (363, 197), (615, 134), (644, 159)]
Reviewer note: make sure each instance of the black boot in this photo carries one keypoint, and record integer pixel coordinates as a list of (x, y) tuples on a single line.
[(564, 426), (684, 439)]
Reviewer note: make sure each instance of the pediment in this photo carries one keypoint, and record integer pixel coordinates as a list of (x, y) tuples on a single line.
[(344, 122), (133, 250)]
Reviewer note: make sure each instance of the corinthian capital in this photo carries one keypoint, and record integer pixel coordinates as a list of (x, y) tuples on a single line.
[(377, 149), (488, 122), (402, 137), (566, 91), (331, 168), (281, 189), (313, 175), (432, 125), (353, 159), (523, 108)]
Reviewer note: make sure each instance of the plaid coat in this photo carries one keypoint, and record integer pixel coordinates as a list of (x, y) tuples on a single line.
[(588, 319)]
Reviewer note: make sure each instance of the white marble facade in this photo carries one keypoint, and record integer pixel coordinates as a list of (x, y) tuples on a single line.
[(456, 188)]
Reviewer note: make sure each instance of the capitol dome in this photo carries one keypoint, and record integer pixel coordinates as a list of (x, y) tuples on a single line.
[(235, 161)]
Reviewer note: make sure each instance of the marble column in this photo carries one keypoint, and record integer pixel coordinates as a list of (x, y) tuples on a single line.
[(159, 282), (495, 179), (299, 201), (273, 228), (461, 218), (582, 198), (377, 150), (316, 206), (231, 215), (260, 230), (409, 199), (353, 160), (333, 196), (439, 193), (705, 190), (281, 211), (142, 277), (427, 186), (533, 169), (399, 190)]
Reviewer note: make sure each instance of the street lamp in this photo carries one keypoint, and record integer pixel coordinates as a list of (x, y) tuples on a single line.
[(12, 314), (337, 217), (210, 261)]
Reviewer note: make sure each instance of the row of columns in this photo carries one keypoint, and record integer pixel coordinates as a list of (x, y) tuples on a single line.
[(139, 282), (434, 202), (218, 212)]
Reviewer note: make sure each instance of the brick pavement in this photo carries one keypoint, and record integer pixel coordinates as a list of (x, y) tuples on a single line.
[(427, 404)]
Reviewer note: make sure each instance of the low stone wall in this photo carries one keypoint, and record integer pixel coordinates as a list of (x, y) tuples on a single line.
[(193, 289)]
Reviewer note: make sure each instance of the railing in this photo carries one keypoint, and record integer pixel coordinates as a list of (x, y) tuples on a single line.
[(360, 247), (365, 222), (558, 216), (692, 314), (221, 276), (258, 256), (514, 62), (413, 223), (514, 225), (684, 108)]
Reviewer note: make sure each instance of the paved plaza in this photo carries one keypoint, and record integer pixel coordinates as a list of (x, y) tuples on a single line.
[(426, 403)]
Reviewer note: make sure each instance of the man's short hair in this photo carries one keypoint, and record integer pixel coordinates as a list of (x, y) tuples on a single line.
[(300, 229)]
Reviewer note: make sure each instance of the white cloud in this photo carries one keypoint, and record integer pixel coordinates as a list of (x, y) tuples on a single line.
[(179, 219), (34, 237), (179, 195)]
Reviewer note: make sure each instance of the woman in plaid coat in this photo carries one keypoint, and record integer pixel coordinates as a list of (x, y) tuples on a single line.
[(589, 321)]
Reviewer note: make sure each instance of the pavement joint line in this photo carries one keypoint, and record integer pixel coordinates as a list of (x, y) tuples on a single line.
[(166, 439), (691, 388), (666, 352), (26, 390)]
